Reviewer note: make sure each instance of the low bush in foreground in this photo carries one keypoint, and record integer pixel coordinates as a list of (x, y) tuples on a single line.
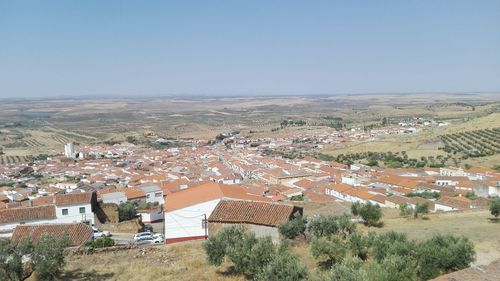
[(341, 253)]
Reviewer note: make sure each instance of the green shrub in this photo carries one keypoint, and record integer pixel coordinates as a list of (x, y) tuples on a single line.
[(348, 270), (328, 249), (127, 211), (248, 254), (103, 242), (370, 213), (495, 206), (444, 253), (331, 225), (391, 243), (293, 228), (393, 268), (284, 267)]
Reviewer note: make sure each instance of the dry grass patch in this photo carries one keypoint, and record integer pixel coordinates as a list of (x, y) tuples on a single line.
[(183, 262), (473, 224)]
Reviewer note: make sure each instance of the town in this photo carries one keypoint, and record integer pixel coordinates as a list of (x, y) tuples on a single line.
[(183, 185)]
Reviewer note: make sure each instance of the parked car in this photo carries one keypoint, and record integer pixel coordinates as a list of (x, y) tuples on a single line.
[(143, 236), (158, 238), (100, 233)]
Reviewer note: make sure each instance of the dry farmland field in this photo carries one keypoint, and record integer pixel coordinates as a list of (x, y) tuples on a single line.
[(475, 224), (29, 128), (473, 141)]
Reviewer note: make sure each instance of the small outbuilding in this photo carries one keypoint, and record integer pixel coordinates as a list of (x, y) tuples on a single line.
[(262, 218), (77, 233)]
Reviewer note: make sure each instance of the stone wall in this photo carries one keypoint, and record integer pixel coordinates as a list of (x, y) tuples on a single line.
[(259, 230), (131, 226), (107, 213)]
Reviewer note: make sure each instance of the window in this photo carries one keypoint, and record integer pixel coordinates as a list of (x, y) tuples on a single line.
[(65, 212), (82, 210), (148, 196), (157, 194)]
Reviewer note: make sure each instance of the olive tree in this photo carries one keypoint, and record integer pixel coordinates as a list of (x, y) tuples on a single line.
[(248, 254), (331, 225), (328, 250), (45, 259), (284, 267), (348, 270), (370, 213), (443, 253), (393, 268), (293, 228), (495, 206), (420, 208)]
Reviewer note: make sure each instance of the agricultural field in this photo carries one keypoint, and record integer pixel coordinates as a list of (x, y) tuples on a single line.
[(476, 136), (30, 128), (474, 224), (10, 159), (478, 143)]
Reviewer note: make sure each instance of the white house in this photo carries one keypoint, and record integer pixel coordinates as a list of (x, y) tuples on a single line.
[(75, 207), (494, 188), (337, 190), (153, 194), (443, 208), (452, 172), (114, 197), (186, 211), (446, 182), (358, 166), (69, 186), (352, 181), (10, 218), (153, 214), (62, 208)]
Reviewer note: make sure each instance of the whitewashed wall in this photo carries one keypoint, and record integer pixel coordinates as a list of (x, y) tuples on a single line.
[(74, 214), (187, 222)]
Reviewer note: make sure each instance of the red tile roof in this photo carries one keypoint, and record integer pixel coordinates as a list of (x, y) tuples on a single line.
[(42, 201), (398, 200), (207, 192), (74, 198), (28, 214), (78, 233), (455, 202), (260, 213), (133, 193), (340, 187)]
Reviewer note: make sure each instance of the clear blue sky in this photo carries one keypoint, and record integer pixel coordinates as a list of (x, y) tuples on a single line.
[(233, 47)]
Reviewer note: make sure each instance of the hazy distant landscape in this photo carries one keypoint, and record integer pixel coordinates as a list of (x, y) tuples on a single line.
[(29, 128)]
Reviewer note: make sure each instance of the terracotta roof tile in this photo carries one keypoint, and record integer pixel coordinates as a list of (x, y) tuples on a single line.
[(207, 192), (398, 200), (28, 214), (261, 213), (133, 193), (78, 233), (74, 198), (42, 201)]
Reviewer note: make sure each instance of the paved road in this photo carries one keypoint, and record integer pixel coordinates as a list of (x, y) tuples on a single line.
[(122, 238), (126, 238)]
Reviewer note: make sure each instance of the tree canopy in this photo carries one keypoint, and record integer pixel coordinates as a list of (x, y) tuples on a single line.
[(495, 206), (46, 258)]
